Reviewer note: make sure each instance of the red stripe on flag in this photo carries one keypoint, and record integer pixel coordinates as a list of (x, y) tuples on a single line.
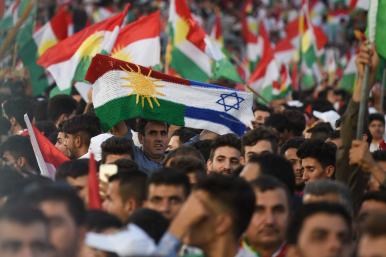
[(94, 199)]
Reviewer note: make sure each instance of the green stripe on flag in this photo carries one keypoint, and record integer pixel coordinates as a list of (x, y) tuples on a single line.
[(309, 56), (380, 36), (127, 108), (185, 67)]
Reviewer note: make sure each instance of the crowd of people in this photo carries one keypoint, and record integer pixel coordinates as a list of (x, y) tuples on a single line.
[(298, 183)]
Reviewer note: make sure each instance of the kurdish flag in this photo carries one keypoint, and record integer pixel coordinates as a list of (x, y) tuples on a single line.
[(349, 75), (139, 41), (380, 33), (68, 60), (123, 90)]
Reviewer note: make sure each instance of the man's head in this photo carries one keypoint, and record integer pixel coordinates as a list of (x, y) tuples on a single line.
[(125, 193), (24, 232), (166, 191), (66, 214), (318, 160), (61, 108), (153, 135), (116, 148), (229, 203), (60, 142), (179, 137), (225, 155), (192, 167), (372, 202), (289, 151), (272, 211), (78, 132), (377, 126), (321, 230), (14, 110), (326, 190), (258, 141), (261, 113), (75, 173), (372, 242), (17, 152), (183, 151)]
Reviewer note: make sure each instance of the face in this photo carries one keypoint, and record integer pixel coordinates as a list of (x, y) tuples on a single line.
[(70, 145), (81, 186), (261, 146), (65, 236), (260, 117), (19, 240), (324, 235), (174, 143), (60, 144), (377, 129), (113, 202), (111, 158), (225, 160), (270, 219), (372, 246), (155, 139), (292, 157), (11, 160), (313, 170), (369, 207), (250, 171), (166, 199)]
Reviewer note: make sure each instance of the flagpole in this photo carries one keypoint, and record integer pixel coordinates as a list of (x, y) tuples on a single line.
[(383, 90), (257, 94)]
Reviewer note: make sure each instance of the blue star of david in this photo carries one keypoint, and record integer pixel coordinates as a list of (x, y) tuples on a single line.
[(230, 101)]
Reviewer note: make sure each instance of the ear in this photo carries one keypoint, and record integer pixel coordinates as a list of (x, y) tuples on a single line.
[(78, 141), (223, 224), (330, 170), (130, 205), (242, 160), (209, 166), (140, 138)]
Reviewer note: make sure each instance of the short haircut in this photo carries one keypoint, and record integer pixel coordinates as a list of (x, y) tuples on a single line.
[(261, 107), (170, 177), (326, 186), (323, 152), (376, 116), (230, 140), (374, 225), (150, 221), (116, 145), (131, 185), (17, 107), (46, 127), (141, 125), (184, 134), (265, 183), (185, 150), (58, 192), (253, 136), (22, 214), (379, 155), (10, 181), (294, 142), (20, 146), (83, 123), (379, 196), (296, 122), (235, 194), (203, 146), (73, 169), (188, 164), (277, 121), (276, 166), (321, 131), (60, 104), (126, 165), (98, 221), (309, 210)]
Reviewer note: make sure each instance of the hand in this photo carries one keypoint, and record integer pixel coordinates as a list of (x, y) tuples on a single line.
[(366, 56), (360, 155), (89, 96)]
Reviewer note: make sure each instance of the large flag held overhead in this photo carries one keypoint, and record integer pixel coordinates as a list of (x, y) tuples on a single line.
[(380, 33), (68, 60), (123, 90), (139, 41)]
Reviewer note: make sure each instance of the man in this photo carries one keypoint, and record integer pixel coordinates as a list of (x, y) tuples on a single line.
[(14, 110), (17, 152), (289, 151), (166, 192), (372, 202), (66, 214), (318, 160), (60, 142), (125, 193), (320, 230), (372, 242), (153, 135), (116, 148), (265, 235), (61, 108), (261, 113), (377, 130), (259, 141), (225, 155), (78, 132), (75, 173), (213, 218), (24, 232)]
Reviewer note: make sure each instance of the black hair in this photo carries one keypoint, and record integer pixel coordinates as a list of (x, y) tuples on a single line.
[(379, 196), (169, 176), (277, 121), (294, 142), (308, 210), (379, 155), (321, 131), (116, 145), (98, 221), (203, 146), (86, 124), (126, 165), (60, 104), (46, 127), (261, 107), (188, 164), (230, 140), (276, 166), (296, 122), (184, 134), (150, 221), (23, 214), (323, 152), (17, 107), (267, 182), (184, 150), (253, 136), (131, 184), (376, 116), (10, 181), (235, 194), (73, 169), (141, 125)]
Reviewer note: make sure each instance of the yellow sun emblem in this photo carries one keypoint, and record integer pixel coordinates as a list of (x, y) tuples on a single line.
[(119, 53), (143, 86)]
